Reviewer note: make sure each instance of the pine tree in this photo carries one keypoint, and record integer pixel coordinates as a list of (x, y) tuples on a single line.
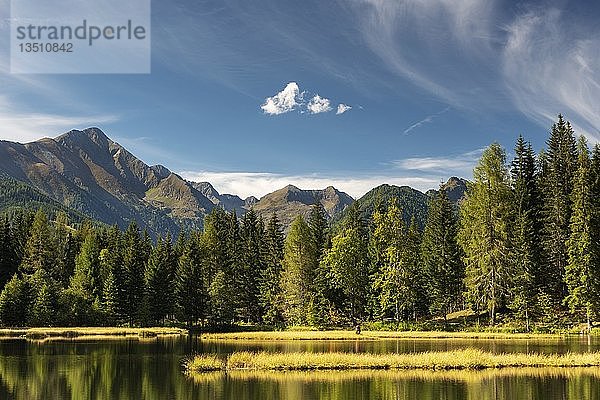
[(560, 167), (527, 230), (270, 282), (38, 250), (134, 269), (317, 223), (158, 283), (14, 302), (43, 309), (297, 278), (251, 236), (110, 300), (442, 257), (65, 250), (86, 278), (485, 235), (581, 276), (8, 258), (191, 290), (347, 263)]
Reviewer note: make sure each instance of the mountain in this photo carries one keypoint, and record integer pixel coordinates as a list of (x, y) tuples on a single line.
[(87, 172), (291, 201), (412, 202), (88, 175), (228, 202), (455, 188)]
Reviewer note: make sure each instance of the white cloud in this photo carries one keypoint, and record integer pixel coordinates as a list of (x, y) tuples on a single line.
[(342, 108), (318, 105), (550, 69), (292, 98), (285, 101), (459, 165), (22, 126), (258, 184), (425, 120)]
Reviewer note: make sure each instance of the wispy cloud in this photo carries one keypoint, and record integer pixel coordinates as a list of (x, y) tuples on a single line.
[(425, 120), (258, 184), (23, 126), (292, 99), (459, 165), (550, 68)]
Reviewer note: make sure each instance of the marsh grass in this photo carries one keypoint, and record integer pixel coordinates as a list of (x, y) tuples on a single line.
[(467, 359)]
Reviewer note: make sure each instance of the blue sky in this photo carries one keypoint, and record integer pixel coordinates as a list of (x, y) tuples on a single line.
[(430, 83)]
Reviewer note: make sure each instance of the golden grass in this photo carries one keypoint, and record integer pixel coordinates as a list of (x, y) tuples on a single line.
[(204, 363), (470, 359), (368, 335), (96, 332)]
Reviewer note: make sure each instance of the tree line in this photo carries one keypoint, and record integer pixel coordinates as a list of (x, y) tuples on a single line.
[(523, 243)]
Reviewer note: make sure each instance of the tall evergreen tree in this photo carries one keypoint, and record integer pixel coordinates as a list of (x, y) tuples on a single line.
[(581, 276), (8, 258), (560, 165), (485, 235), (191, 289), (270, 282), (347, 263), (297, 278), (441, 256), (134, 269), (158, 282), (251, 268), (14, 302), (527, 230), (38, 250)]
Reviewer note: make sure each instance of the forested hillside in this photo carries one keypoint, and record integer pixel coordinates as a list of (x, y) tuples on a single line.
[(524, 250)]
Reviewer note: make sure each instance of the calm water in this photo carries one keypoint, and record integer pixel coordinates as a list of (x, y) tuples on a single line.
[(132, 369)]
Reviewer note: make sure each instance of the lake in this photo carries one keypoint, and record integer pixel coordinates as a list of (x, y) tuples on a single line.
[(151, 369)]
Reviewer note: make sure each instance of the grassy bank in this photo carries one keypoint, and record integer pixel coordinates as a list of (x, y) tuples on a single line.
[(368, 335), (96, 332), (470, 359)]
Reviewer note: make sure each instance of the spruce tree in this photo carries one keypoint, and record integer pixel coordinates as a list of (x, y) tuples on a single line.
[(38, 252), (251, 236), (8, 258), (560, 168), (270, 282), (441, 256), (191, 290), (134, 269), (581, 276), (158, 283), (14, 302), (527, 230)]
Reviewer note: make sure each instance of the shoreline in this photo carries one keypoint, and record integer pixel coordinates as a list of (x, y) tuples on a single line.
[(95, 332)]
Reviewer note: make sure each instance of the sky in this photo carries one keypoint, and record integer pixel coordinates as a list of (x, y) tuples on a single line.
[(252, 96)]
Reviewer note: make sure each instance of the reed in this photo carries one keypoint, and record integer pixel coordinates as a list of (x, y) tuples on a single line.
[(469, 359)]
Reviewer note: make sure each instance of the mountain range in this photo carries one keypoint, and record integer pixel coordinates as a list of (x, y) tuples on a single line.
[(88, 175)]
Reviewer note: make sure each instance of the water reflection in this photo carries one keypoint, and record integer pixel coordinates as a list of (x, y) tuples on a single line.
[(151, 369)]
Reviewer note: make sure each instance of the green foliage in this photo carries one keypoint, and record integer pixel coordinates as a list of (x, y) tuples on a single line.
[(581, 276), (441, 257), (485, 233)]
